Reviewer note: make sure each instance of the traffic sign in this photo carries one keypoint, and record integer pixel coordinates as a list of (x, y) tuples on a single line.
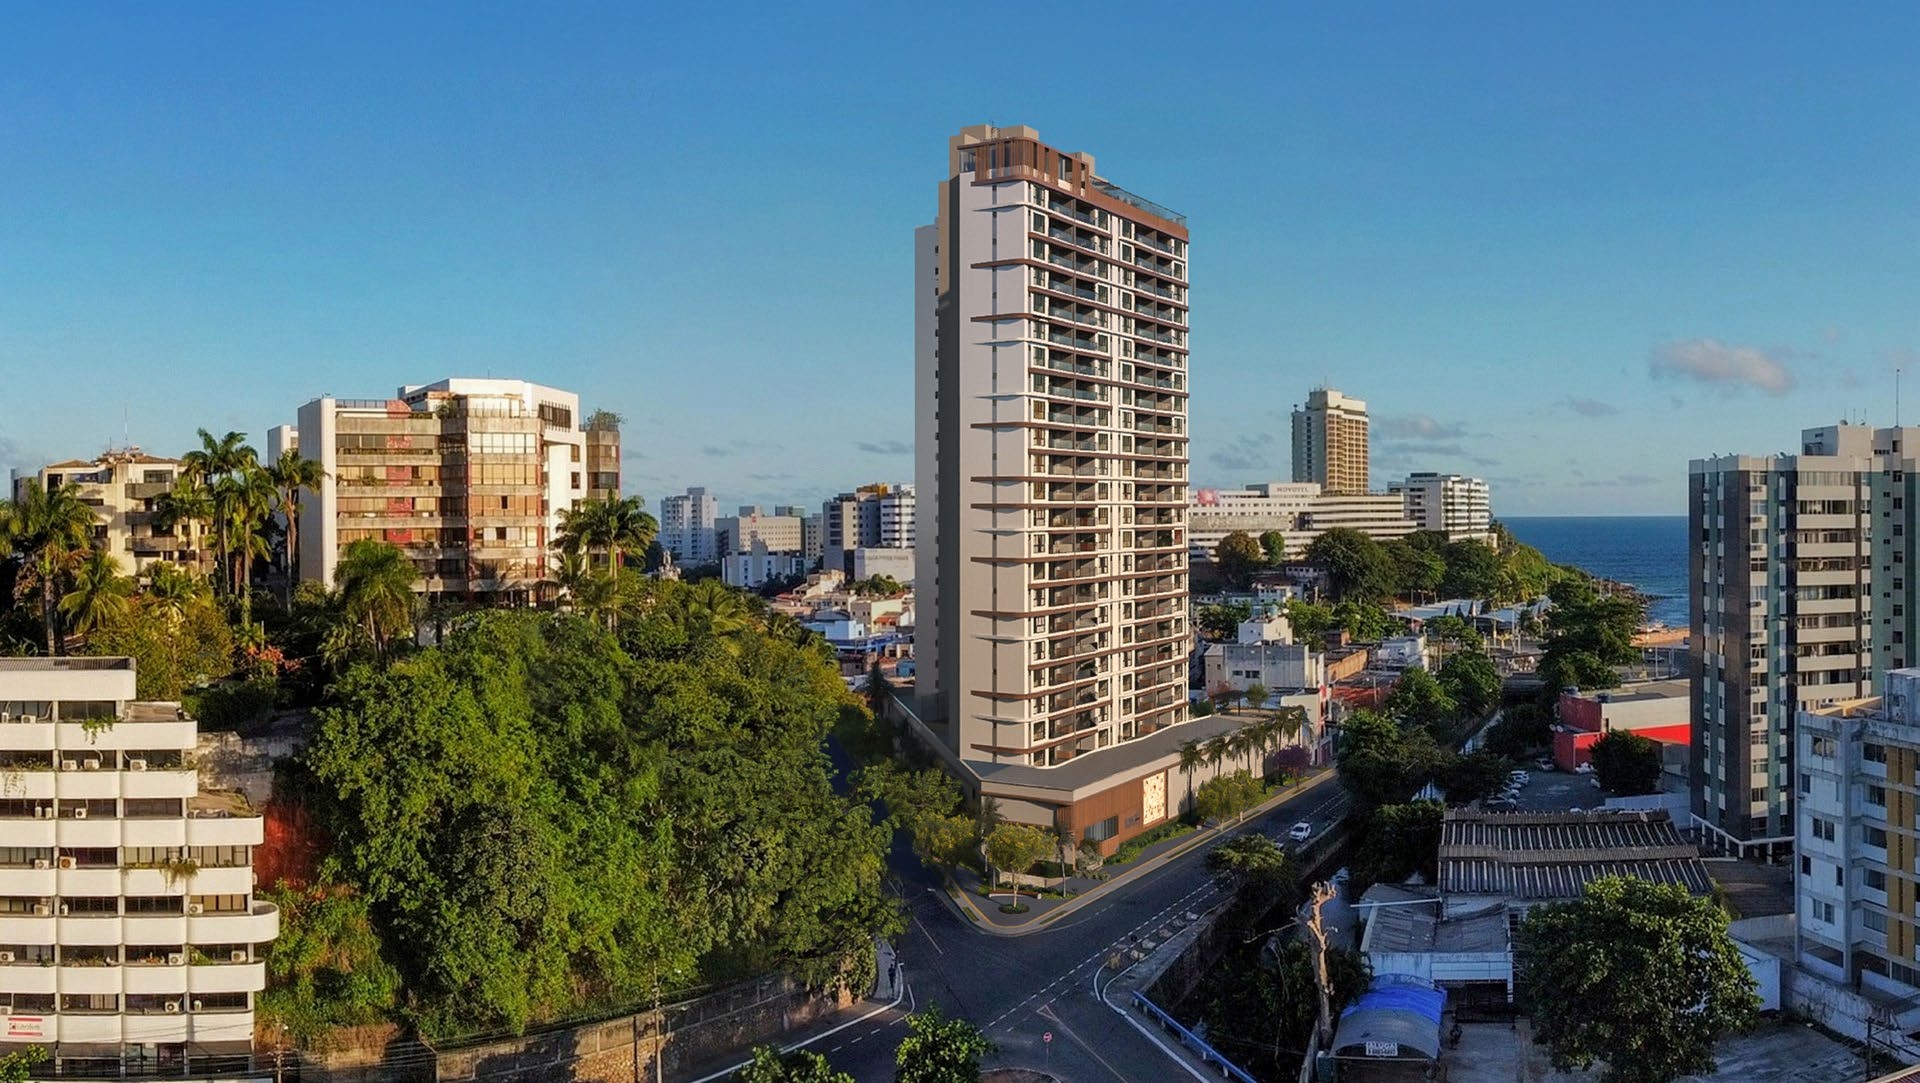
[(1047, 1037)]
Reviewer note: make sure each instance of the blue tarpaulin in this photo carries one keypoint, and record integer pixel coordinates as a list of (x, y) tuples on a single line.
[(1397, 1010)]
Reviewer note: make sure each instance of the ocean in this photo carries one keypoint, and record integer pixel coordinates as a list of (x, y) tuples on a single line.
[(1648, 551)]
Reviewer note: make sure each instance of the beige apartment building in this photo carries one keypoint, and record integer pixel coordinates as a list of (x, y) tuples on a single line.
[(468, 476), (121, 486), (1051, 392), (1330, 442), (131, 940)]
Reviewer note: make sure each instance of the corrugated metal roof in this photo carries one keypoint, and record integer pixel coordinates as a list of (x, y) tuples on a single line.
[(1541, 856)]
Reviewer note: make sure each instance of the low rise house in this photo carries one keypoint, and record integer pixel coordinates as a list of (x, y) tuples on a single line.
[(1658, 710)]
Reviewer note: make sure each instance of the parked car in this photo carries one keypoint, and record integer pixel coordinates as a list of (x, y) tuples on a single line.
[(1300, 832), (1545, 765), (1584, 769), (1500, 804)]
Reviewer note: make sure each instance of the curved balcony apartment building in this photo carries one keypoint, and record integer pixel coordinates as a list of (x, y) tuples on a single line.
[(130, 937)]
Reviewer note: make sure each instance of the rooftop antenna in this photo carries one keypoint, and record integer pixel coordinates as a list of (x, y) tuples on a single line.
[(1896, 397)]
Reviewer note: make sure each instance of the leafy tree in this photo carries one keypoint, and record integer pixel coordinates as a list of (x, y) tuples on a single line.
[(1238, 557), (769, 1065), (878, 586), (1474, 776), (1398, 841), (1473, 571), (1274, 545), (1356, 564), (376, 591), (940, 1050), (1627, 764), (1416, 569), (1419, 699), (176, 634), (1249, 859), (1382, 763), (1256, 696), (1222, 622), (1227, 796), (327, 968), (1587, 636), (1521, 730), (1310, 621), (18, 1066), (1472, 682), (1364, 621), (216, 466), (1273, 997), (1451, 628), (1013, 848), (1292, 762), (1640, 975), (620, 527)]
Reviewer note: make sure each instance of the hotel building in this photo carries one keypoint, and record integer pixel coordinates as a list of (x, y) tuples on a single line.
[(130, 937), (1330, 442), (1051, 458), (1453, 504)]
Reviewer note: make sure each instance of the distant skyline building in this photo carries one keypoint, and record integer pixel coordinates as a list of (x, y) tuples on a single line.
[(468, 476), (1800, 595), (687, 526), (1330, 442), (1300, 511), (779, 531), (1051, 636)]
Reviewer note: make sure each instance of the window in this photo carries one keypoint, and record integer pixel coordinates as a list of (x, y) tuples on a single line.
[(1874, 753), (1823, 747), (1839, 876), (1874, 878), (1806, 784), (1806, 865), (1874, 919), (1823, 911), (1103, 830), (1875, 836), (1877, 795), (1822, 829)]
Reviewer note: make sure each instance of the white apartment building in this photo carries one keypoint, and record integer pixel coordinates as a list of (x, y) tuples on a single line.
[(1458, 506), (1300, 511), (121, 486), (687, 526), (1330, 442), (756, 566), (468, 476), (1051, 369), (897, 518), (1854, 837), (130, 938), (1800, 595)]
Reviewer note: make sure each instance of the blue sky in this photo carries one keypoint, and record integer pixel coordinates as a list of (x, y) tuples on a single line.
[(1566, 249)]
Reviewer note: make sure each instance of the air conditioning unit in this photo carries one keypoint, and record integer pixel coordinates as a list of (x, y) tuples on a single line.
[(173, 1005), (68, 863), (41, 910), (236, 956), (80, 813), (197, 1006), (69, 765), (42, 863), (63, 909), (41, 812), (136, 765), (91, 765), (6, 957), (175, 958), (194, 908)]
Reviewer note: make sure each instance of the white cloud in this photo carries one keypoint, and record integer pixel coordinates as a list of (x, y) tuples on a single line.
[(1719, 365)]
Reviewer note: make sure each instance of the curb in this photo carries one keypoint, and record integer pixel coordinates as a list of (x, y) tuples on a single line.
[(979, 919)]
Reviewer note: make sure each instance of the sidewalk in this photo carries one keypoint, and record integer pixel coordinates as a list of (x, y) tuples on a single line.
[(985, 913)]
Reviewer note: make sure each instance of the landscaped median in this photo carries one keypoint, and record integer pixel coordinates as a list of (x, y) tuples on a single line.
[(1147, 856)]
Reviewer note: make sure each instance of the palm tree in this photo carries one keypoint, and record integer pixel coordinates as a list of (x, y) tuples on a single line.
[(1191, 757), (169, 589), (711, 610), (49, 529), (291, 475), (1256, 695), (214, 462), (187, 504), (616, 526), (1218, 750), (100, 593), (250, 496), (376, 590)]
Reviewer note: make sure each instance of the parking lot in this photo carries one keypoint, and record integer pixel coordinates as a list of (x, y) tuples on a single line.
[(1554, 791)]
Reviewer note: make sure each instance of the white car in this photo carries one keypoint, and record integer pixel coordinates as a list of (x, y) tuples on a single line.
[(1300, 832), (1584, 769)]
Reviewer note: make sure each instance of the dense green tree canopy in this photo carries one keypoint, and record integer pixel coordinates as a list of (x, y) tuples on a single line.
[(1356, 564), (802, 1066), (1627, 764), (1238, 556), (1227, 796), (938, 1049), (542, 819), (1473, 571), (1398, 841), (1471, 681), (1421, 700), (1641, 976)]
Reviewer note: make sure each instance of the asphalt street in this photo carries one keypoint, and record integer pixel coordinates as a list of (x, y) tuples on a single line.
[(1020, 989)]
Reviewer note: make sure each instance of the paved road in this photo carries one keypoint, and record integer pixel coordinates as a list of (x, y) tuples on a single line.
[(1018, 989)]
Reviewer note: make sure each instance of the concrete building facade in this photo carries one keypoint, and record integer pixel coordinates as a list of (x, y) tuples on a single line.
[(1857, 777), (121, 486), (131, 940), (1300, 511), (776, 533), (1458, 506), (469, 477), (1800, 594), (687, 526), (1051, 411), (1330, 442)]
